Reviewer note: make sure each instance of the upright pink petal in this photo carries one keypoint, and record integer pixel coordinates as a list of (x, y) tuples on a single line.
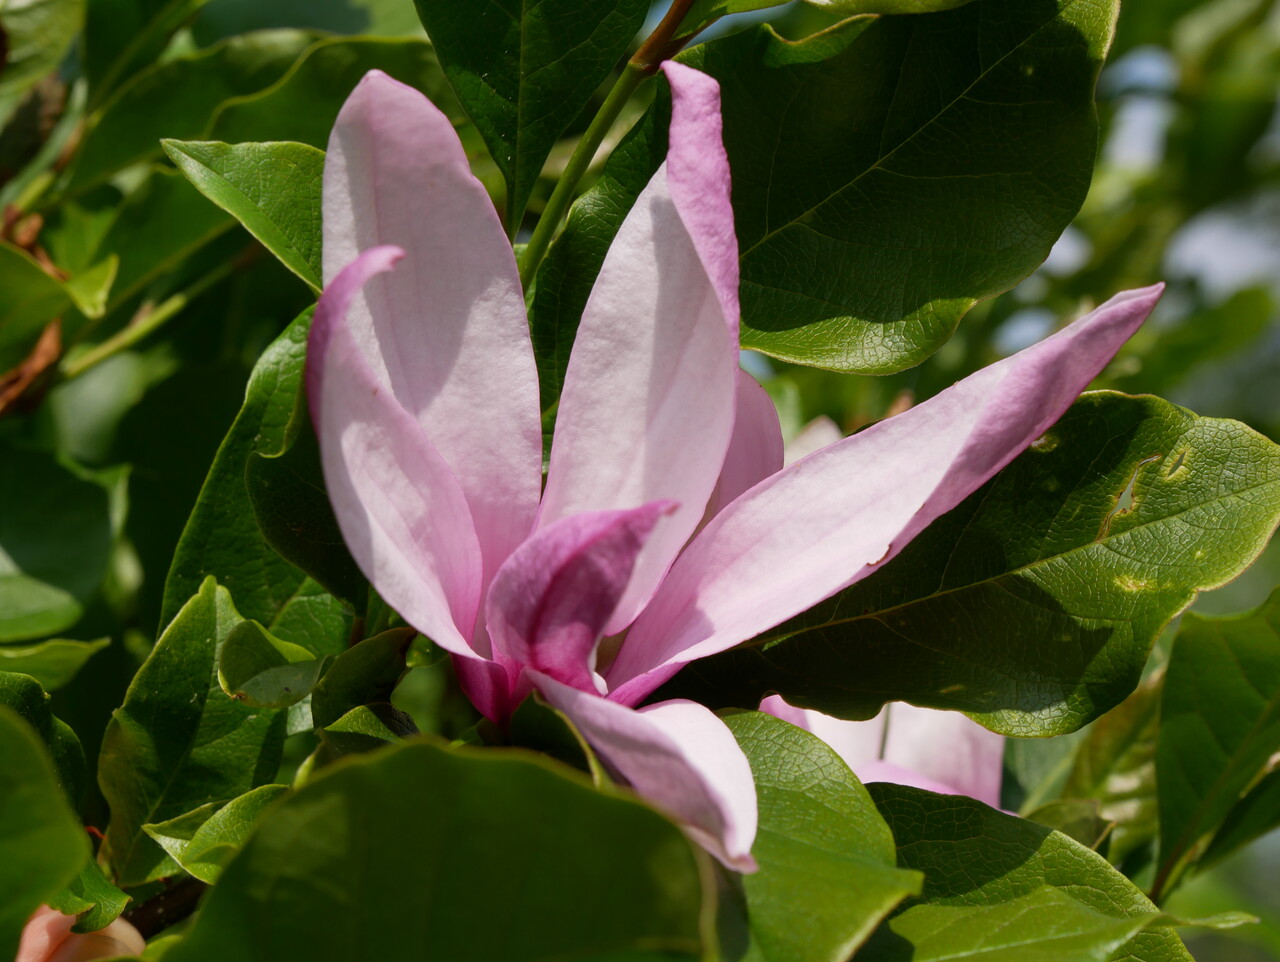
[(447, 332), (830, 519), (677, 755), (549, 603), (942, 751), (401, 511), (648, 400), (755, 447)]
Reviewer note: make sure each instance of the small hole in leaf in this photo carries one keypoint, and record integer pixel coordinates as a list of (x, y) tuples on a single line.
[(1126, 500)]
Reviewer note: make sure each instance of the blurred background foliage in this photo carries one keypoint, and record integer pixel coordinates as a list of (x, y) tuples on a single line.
[(132, 309)]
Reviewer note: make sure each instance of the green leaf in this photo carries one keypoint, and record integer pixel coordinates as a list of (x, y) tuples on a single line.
[(37, 34), (261, 671), (1032, 605), (828, 870), (525, 69), (314, 619), (1000, 888), (302, 105), (849, 8), (41, 843), (592, 876), (1219, 726), (1256, 814), (24, 696), (160, 225), (52, 663), (218, 836), (176, 98), (273, 189), (885, 183), (363, 674), (29, 300), (367, 728), (91, 287), (1115, 764), (565, 278), (1076, 818), (221, 537), (95, 901), (178, 741), (55, 541), (291, 505), (124, 36)]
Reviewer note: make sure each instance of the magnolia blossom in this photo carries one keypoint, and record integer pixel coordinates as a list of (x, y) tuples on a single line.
[(668, 529), (47, 937), (942, 751)]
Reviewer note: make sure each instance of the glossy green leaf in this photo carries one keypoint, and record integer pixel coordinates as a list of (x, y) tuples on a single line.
[(261, 671), (41, 843), (176, 98), (314, 619), (178, 741), (52, 663), (95, 901), (302, 105), (37, 35), (361, 675), (221, 537), (293, 512), (125, 36), (367, 728), (1115, 764), (1032, 605), (828, 870), (273, 189), (1219, 726), (29, 300), (218, 836), (24, 696), (884, 184), (55, 540), (441, 860), (525, 69), (1002, 889)]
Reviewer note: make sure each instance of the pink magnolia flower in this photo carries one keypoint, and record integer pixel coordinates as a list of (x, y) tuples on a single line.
[(47, 937), (667, 526), (942, 751)]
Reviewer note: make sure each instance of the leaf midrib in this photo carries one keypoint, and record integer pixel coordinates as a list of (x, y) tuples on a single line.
[(877, 164)]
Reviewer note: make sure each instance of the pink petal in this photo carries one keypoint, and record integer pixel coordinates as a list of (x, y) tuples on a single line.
[(401, 511), (647, 407), (677, 755), (44, 932), (828, 520), (946, 747), (942, 751), (495, 688), (447, 333), (549, 603), (755, 447), (47, 937)]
